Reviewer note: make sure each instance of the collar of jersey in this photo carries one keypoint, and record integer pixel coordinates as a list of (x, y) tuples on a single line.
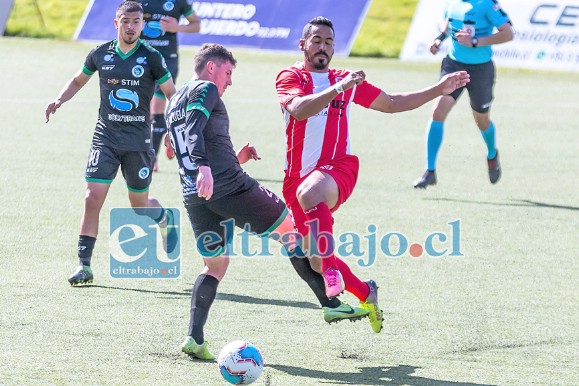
[(123, 55)]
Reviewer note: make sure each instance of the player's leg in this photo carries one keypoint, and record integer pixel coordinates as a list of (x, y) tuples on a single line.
[(481, 96), (435, 127), (101, 169), (205, 221), (136, 168), (334, 309), (344, 172)]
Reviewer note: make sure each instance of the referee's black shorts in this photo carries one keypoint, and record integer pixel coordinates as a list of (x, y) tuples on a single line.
[(480, 87)]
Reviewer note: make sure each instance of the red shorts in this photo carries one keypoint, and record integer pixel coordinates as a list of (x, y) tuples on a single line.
[(344, 171)]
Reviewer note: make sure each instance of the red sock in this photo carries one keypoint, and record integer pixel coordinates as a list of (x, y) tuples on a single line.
[(352, 284), (321, 224)]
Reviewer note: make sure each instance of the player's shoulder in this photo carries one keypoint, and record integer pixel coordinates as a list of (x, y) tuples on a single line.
[(295, 72), (108, 46), (202, 87)]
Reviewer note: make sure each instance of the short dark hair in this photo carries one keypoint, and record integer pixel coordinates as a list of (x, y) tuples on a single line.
[(127, 7), (214, 53), (318, 20)]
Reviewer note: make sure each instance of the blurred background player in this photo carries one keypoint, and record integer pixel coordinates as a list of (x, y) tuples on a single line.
[(321, 171), (160, 31), (471, 25), (122, 137), (216, 189)]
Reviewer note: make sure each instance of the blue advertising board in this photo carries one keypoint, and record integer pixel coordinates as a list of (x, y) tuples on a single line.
[(265, 24)]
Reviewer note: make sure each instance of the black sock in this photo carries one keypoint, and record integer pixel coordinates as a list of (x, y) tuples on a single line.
[(159, 128), (85, 247), (204, 291), (302, 266)]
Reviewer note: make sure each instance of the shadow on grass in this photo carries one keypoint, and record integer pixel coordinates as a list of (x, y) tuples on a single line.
[(398, 375), (220, 296), (525, 203)]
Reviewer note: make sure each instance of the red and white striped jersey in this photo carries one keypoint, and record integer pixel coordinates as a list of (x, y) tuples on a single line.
[(321, 138)]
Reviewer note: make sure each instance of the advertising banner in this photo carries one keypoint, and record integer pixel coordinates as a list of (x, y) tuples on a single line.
[(546, 34), (5, 8), (266, 24)]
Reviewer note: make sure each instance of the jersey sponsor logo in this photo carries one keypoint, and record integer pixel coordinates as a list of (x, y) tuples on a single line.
[(109, 58), (144, 173), (112, 81), (127, 119), (138, 71), (124, 100), (130, 82), (168, 6), (153, 29), (142, 60), (108, 67)]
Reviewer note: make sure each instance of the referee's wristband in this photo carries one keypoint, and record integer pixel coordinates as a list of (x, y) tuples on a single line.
[(339, 88)]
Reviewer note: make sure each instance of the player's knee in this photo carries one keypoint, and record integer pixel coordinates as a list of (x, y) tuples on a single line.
[(93, 201), (307, 197)]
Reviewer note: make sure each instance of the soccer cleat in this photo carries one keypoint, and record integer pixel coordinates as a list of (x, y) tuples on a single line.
[(428, 178), (82, 275), (169, 151), (199, 351), (333, 282), (494, 169), (342, 312), (169, 232), (371, 304)]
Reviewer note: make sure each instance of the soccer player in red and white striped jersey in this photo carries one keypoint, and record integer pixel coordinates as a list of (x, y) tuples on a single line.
[(321, 170)]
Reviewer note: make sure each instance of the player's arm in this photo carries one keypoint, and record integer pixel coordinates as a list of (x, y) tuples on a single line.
[(395, 103), (200, 105), (504, 34), (170, 24), (168, 88), (70, 89), (304, 106), (435, 47)]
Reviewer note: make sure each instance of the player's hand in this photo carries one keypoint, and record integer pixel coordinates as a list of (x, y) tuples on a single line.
[(246, 153), (204, 182), (451, 82), (464, 38), (435, 47), (169, 24), (51, 109), (353, 78)]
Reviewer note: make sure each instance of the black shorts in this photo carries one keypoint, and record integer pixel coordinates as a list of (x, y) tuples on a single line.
[(103, 164), (480, 87), (173, 67), (255, 209)]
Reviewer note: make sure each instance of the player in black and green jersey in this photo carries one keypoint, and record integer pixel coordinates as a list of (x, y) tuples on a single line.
[(128, 71), (160, 31), (216, 190)]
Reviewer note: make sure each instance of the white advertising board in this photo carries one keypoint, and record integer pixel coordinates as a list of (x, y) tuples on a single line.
[(546, 34)]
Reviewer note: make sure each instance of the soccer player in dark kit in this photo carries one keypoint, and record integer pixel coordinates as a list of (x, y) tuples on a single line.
[(216, 190), (160, 32), (128, 71)]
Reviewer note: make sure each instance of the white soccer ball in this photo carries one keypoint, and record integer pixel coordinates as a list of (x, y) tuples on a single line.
[(240, 363)]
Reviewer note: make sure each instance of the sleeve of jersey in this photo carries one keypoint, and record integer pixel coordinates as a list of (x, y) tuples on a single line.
[(160, 72), (89, 67), (496, 14), (288, 86), (186, 8), (201, 102), (365, 94)]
